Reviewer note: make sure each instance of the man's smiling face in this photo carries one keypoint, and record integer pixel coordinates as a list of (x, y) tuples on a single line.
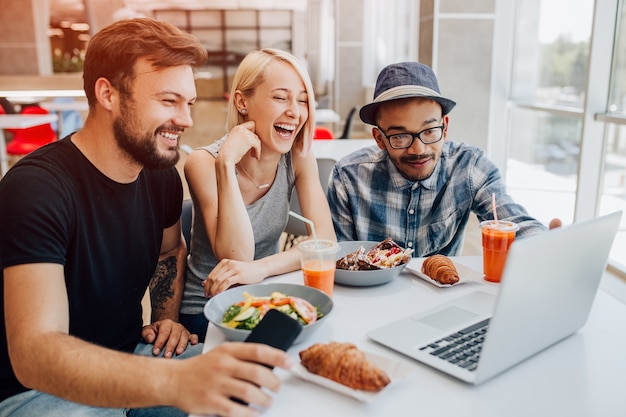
[(151, 120), (411, 115)]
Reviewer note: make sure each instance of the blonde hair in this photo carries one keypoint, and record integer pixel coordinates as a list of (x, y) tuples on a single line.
[(251, 73)]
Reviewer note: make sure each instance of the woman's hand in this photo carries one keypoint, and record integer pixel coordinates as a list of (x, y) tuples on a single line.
[(229, 272), (241, 140)]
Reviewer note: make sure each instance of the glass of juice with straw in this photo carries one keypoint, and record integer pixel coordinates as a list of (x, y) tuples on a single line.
[(497, 237), (318, 260)]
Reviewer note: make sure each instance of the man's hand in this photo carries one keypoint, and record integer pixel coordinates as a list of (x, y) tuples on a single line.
[(554, 223), (174, 336), (208, 384)]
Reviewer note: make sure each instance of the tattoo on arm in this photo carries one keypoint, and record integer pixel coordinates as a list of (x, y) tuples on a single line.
[(161, 284)]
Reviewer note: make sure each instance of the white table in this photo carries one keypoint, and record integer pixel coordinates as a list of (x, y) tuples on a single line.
[(44, 97), (584, 375), (338, 148), (12, 95), (18, 121), (60, 106), (326, 116)]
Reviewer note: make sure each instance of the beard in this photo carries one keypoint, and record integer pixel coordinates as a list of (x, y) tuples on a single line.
[(142, 148)]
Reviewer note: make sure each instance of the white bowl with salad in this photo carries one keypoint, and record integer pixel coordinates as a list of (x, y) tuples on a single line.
[(238, 310)]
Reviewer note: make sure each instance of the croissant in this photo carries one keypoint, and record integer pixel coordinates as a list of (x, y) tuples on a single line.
[(441, 269), (344, 363)]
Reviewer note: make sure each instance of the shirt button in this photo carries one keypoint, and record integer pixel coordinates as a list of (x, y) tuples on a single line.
[(411, 211), (410, 244)]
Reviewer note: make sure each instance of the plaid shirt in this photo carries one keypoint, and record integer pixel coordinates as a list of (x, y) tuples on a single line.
[(370, 200)]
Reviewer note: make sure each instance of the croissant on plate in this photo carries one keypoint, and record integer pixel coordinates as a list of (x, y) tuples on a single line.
[(344, 363), (440, 268)]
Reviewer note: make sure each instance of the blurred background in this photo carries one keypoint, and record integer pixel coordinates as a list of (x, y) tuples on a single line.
[(540, 84)]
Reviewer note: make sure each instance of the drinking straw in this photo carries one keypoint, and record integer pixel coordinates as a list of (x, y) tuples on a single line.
[(493, 207), (307, 221)]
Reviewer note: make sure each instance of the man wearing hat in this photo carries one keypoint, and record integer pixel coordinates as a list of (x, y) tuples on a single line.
[(416, 186)]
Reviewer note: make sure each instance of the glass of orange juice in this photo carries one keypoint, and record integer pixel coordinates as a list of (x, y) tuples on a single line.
[(318, 260), (497, 238)]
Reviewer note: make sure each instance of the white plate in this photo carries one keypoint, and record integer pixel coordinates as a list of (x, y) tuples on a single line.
[(394, 369), (466, 274)]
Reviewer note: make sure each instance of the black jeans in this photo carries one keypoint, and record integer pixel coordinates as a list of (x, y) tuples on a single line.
[(156, 412), (195, 323)]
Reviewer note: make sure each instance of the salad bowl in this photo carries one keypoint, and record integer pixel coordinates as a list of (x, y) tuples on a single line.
[(363, 278), (215, 308)]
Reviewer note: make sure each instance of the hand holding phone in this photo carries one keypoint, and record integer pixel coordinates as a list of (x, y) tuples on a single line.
[(275, 329)]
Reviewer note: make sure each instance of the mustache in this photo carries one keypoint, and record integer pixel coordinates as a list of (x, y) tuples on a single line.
[(170, 128), (417, 158)]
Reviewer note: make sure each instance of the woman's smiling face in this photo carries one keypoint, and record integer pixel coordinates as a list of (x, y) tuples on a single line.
[(279, 106)]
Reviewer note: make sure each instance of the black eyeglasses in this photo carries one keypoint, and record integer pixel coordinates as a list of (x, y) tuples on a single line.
[(405, 140)]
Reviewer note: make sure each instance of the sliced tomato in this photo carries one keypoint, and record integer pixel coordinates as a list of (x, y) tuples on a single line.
[(394, 250), (304, 309)]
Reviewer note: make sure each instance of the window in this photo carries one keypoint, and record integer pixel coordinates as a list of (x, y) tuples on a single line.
[(566, 124), (389, 32), (229, 35), (614, 174), (551, 51), (550, 55)]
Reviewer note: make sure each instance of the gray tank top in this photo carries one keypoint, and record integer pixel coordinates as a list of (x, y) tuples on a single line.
[(268, 215)]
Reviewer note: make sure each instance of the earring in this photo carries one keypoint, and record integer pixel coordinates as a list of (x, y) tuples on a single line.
[(243, 111)]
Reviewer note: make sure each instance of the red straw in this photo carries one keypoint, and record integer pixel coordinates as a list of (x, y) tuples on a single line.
[(493, 207)]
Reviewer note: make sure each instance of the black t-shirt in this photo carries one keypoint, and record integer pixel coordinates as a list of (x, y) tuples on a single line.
[(56, 207)]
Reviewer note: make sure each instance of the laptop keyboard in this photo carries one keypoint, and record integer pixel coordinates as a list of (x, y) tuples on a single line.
[(461, 348)]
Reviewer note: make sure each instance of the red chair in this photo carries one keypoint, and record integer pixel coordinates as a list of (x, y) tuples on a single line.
[(27, 140), (322, 132)]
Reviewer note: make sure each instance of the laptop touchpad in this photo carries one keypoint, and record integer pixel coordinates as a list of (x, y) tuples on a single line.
[(447, 318)]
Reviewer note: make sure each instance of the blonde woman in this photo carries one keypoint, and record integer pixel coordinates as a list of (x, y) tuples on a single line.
[(241, 185)]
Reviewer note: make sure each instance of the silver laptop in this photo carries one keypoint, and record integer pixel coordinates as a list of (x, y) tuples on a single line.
[(548, 286)]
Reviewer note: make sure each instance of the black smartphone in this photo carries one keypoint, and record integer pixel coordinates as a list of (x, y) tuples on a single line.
[(275, 329)]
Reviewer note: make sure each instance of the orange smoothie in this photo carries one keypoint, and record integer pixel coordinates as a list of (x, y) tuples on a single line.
[(496, 245), (320, 275)]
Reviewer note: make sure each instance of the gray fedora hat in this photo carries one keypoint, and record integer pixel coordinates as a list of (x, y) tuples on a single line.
[(403, 80)]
